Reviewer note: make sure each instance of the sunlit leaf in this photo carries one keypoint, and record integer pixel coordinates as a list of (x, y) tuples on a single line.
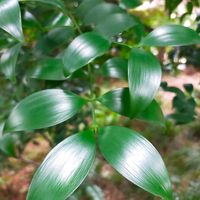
[(48, 69), (10, 18), (118, 100), (144, 76), (83, 50), (8, 61), (114, 24), (116, 68), (136, 159), (171, 35), (43, 109), (64, 168)]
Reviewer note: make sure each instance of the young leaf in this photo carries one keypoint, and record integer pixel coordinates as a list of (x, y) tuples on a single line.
[(114, 24), (8, 61), (118, 100), (100, 12), (10, 18), (7, 144), (144, 76), (171, 35), (48, 69), (131, 3), (53, 39), (64, 168), (116, 68), (43, 109), (83, 50), (136, 159)]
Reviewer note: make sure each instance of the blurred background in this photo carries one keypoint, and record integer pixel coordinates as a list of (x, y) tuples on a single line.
[(179, 96)]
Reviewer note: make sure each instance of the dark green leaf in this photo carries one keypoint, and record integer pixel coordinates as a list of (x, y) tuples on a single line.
[(48, 69), (83, 50), (8, 61), (30, 20), (64, 168), (171, 35), (85, 6), (100, 12), (10, 18), (136, 159), (43, 109), (7, 144), (171, 5), (114, 24), (118, 100), (116, 68), (56, 3), (53, 39), (131, 3), (144, 76)]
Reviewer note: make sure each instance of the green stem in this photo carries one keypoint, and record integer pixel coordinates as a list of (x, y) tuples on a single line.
[(75, 23), (123, 44)]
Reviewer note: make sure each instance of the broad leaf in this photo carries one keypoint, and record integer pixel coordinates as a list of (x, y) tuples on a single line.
[(83, 50), (136, 159), (10, 18), (64, 168), (85, 6), (56, 3), (8, 61), (43, 109), (53, 39), (171, 35), (131, 3), (48, 69), (144, 76), (100, 12), (7, 144), (30, 21), (114, 24), (118, 100), (116, 68)]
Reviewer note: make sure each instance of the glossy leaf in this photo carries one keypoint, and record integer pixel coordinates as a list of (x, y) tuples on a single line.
[(171, 35), (144, 76), (85, 6), (10, 18), (43, 109), (7, 144), (83, 50), (116, 68), (131, 3), (114, 24), (100, 12), (118, 100), (56, 3), (53, 39), (64, 168), (8, 61), (48, 69), (136, 159)]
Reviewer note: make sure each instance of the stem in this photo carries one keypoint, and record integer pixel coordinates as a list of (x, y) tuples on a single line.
[(123, 44), (75, 23)]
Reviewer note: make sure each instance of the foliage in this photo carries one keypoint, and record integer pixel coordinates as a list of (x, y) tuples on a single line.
[(65, 43)]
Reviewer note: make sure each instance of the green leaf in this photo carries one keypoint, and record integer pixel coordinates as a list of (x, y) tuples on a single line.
[(85, 6), (171, 35), (64, 168), (118, 100), (48, 69), (114, 24), (10, 18), (83, 50), (136, 159), (8, 61), (30, 21), (43, 109), (144, 76), (131, 3), (53, 39), (57, 3), (7, 144), (100, 12), (116, 68)]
